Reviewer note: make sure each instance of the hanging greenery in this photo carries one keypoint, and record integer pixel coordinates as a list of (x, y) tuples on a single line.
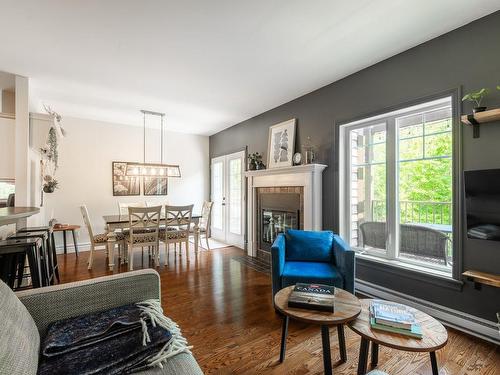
[(52, 143)]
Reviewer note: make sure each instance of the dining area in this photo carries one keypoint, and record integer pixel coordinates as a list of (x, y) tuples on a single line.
[(142, 226), (29, 255)]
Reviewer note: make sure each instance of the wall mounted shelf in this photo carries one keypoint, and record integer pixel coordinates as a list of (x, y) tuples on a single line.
[(481, 118), (482, 278)]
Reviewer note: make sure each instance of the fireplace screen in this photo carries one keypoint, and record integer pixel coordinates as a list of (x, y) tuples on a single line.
[(275, 222)]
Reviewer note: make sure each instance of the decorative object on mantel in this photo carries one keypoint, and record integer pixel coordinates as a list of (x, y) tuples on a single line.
[(49, 154), (480, 118), (309, 151), (297, 158), (153, 170), (281, 144), (255, 162)]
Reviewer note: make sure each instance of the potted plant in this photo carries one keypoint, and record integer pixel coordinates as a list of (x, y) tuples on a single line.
[(476, 98), (50, 184), (255, 161)]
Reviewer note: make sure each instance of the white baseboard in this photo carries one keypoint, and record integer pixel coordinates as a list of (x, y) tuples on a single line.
[(82, 246), (470, 324)]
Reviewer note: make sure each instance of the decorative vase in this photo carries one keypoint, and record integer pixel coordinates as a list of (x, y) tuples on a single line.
[(252, 166), (260, 165), (48, 189), (478, 109)]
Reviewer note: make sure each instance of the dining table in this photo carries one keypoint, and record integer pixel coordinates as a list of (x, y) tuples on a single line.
[(114, 222)]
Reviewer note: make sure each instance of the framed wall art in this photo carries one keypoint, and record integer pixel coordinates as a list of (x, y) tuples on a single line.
[(124, 185), (281, 144)]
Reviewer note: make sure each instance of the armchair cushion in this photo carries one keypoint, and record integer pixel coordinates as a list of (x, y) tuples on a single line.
[(20, 341), (309, 246), (311, 272)]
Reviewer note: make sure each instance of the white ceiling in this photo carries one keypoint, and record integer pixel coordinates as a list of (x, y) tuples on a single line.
[(207, 64)]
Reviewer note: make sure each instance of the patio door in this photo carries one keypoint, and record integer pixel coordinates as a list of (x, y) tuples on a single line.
[(227, 186)]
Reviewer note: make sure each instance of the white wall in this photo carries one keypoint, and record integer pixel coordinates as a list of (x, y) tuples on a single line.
[(84, 174), (7, 147)]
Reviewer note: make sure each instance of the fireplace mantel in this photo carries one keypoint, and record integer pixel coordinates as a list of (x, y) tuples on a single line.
[(309, 176)]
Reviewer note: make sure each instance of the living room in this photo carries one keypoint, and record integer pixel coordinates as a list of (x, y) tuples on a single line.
[(199, 161)]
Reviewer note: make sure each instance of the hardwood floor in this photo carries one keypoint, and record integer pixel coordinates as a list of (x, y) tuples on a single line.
[(225, 310)]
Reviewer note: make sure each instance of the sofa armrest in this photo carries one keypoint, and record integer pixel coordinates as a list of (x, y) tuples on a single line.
[(277, 262), (49, 304), (344, 260)]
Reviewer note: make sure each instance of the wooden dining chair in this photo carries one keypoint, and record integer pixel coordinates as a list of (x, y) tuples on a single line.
[(204, 223), (144, 225), (100, 240), (177, 228)]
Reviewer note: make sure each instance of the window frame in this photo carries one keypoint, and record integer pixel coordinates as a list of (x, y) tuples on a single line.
[(343, 183)]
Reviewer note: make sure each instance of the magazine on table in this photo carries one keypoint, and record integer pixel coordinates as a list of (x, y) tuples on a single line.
[(312, 297)]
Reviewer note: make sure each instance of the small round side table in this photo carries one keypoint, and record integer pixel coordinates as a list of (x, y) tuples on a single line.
[(346, 308), (434, 337)]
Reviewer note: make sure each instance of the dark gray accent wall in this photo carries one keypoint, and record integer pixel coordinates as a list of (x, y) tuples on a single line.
[(467, 58)]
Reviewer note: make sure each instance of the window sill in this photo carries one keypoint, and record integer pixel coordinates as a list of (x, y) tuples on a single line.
[(418, 273)]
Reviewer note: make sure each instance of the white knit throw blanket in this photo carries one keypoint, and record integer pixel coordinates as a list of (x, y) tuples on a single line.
[(151, 309)]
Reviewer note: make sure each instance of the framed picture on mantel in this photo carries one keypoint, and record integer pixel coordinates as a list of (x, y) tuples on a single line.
[(281, 144)]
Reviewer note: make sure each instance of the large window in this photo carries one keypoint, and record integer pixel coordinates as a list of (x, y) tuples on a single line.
[(397, 185)]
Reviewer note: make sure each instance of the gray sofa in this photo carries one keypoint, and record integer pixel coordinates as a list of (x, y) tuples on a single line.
[(26, 315)]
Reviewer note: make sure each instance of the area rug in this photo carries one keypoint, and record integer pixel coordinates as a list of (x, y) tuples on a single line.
[(253, 263)]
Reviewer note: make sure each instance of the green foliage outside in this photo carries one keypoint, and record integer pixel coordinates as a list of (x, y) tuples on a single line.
[(425, 173)]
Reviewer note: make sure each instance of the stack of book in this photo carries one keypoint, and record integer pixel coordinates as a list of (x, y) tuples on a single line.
[(394, 317), (312, 297)]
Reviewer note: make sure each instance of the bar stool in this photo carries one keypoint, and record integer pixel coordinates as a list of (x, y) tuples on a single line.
[(46, 268), (14, 252), (51, 245)]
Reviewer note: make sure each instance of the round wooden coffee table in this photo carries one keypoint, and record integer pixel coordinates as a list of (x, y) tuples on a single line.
[(347, 308), (434, 337)]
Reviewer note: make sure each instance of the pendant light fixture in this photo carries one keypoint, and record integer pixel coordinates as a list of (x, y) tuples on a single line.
[(152, 169)]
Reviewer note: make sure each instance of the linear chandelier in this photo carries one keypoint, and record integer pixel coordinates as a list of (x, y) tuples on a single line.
[(152, 169)]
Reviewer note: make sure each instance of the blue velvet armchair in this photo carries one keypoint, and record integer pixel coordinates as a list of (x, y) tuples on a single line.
[(311, 257)]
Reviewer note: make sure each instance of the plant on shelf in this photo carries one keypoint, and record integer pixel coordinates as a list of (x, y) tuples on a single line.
[(255, 161), (476, 98)]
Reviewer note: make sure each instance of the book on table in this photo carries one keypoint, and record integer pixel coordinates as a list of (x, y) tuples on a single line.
[(394, 317), (312, 297)]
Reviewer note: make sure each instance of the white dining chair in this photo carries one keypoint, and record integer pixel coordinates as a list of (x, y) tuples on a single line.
[(176, 230), (101, 240), (204, 223), (123, 206), (144, 226)]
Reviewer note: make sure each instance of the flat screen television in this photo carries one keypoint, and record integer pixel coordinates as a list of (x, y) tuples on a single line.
[(482, 204)]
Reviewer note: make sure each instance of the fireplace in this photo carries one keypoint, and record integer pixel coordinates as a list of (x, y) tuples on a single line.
[(281, 198), (278, 209)]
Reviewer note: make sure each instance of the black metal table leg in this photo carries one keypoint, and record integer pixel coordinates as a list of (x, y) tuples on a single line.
[(363, 356), (374, 361), (284, 334), (54, 255), (327, 357), (343, 351), (74, 241), (434, 365), (64, 241)]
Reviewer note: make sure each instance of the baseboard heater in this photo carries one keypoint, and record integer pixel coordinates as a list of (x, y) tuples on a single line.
[(470, 324)]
